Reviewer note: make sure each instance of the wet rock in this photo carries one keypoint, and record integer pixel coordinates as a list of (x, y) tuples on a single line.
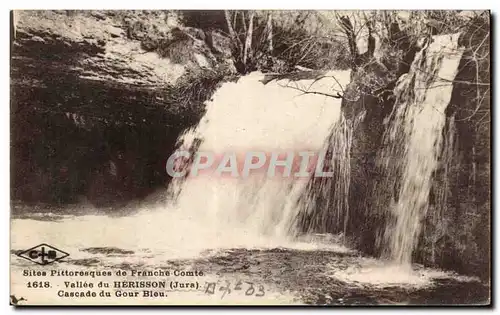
[(84, 88)]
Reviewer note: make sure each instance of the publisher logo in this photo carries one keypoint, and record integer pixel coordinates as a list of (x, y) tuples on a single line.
[(43, 254)]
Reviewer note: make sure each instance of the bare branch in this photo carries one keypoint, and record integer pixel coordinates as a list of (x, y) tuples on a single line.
[(310, 92)]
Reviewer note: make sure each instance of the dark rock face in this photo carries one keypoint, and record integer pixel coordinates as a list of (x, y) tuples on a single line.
[(366, 143), (93, 113), (464, 245)]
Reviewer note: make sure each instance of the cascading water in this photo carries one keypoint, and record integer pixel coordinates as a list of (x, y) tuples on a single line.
[(325, 204), (272, 118), (413, 142), (441, 187)]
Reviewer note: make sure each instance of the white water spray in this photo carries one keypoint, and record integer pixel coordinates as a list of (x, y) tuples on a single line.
[(249, 116)]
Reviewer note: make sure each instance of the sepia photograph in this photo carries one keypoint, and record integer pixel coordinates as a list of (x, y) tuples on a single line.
[(250, 157)]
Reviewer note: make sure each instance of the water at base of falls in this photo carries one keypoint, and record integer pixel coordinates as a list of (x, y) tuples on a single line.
[(312, 270), (413, 142)]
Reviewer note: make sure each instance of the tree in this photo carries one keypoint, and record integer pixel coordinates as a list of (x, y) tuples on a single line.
[(247, 46), (269, 27)]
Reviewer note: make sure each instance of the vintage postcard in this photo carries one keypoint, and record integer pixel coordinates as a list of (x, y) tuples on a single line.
[(228, 157)]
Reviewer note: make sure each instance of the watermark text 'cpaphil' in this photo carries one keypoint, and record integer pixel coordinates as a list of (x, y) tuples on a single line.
[(288, 164)]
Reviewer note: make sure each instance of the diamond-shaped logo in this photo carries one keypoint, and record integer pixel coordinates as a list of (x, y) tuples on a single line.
[(43, 254)]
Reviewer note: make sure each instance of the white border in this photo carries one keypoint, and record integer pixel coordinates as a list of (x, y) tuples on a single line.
[(191, 4)]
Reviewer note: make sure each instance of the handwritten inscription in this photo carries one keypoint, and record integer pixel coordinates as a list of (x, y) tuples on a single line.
[(227, 287)]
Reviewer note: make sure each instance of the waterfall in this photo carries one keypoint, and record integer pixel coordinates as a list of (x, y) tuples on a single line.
[(250, 116), (205, 213), (413, 142)]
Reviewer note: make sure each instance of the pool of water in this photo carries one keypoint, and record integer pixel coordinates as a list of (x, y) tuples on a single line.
[(313, 270)]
